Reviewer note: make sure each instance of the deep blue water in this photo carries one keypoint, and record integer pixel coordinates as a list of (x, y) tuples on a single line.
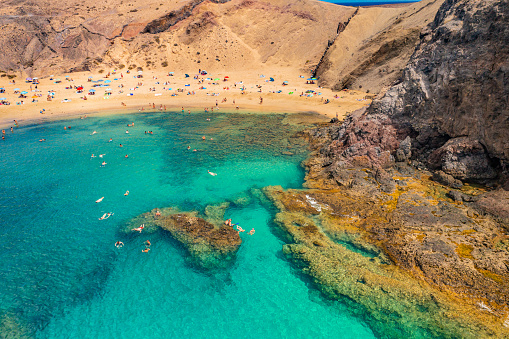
[(61, 275), (368, 2)]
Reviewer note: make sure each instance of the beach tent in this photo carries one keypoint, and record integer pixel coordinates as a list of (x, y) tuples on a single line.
[(187, 75), (271, 79)]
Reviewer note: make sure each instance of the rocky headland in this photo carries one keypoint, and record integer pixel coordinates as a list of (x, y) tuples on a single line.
[(209, 242), (406, 210)]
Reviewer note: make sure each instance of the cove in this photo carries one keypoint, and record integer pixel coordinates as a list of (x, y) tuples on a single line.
[(62, 275)]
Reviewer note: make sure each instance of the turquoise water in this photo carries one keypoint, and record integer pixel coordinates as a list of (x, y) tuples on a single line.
[(61, 275)]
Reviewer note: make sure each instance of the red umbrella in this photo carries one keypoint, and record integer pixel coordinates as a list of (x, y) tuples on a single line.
[(80, 88), (227, 77)]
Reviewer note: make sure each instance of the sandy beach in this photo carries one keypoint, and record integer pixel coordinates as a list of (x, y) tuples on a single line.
[(134, 91)]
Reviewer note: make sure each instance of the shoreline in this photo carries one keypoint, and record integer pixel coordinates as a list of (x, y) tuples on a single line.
[(154, 88)]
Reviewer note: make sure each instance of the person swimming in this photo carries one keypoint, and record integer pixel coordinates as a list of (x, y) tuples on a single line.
[(101, 155), (147, 243), (92, 156), (126, 156), (99, 200), (103, 217), (94, 132), (119, 244), (211, 173), (252, 231), (103, 164), (42, 140), (139, 229), (146, 250), (111, 139), (126, 132), (240, 229), (126, 193)]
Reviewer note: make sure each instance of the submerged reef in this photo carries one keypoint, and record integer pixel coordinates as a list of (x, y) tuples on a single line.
[(210, 243)]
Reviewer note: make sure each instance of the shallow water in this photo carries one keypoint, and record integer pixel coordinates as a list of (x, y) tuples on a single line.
[(61, 275)]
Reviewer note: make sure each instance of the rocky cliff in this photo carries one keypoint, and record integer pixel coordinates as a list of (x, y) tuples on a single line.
[(450, 109)]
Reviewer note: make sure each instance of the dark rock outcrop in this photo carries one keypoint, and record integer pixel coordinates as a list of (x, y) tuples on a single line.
[(451, 100)]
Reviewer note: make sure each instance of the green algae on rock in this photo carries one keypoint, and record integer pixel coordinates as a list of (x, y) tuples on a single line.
[(389, 294), (210, 243)]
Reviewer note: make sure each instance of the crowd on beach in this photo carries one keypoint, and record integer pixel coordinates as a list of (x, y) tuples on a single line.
[(128, 87)]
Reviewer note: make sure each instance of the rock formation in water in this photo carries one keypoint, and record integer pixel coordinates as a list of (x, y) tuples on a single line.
[(210, 243)]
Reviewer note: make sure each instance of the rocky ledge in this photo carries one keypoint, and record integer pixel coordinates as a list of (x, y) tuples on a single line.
[(210, 243)]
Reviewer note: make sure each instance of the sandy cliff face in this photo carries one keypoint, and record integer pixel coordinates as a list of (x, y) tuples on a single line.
[(372, 50), (42, 38), (451, 102)]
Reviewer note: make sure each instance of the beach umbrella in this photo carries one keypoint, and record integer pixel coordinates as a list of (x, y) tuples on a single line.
[(216, 79), (35, 78), (92, 90), (108, 89), (107, 81), (227, 77), (139, 72), (285, 82), (28, 79), (3, 98), (16, 89), (66, 76), (187, 75), (80, 88), (57, 79), (34, 96), (90, 77), (24, 92), (271, 79)]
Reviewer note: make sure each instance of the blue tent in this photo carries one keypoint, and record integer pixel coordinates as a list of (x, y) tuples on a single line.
[(271, 79), (187, 75)]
